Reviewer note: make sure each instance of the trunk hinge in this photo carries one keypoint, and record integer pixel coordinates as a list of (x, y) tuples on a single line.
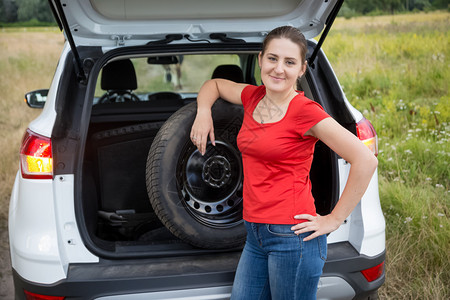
[(58, 12), (120, 39), (328, 24)]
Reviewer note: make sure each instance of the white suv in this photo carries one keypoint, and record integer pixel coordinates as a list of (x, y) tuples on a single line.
[(112, 201)]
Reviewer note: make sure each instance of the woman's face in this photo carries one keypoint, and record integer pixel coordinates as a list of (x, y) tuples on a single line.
[(281, 65)]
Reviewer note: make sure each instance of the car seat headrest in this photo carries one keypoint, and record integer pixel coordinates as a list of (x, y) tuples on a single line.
[(119, 75), (230, 72)]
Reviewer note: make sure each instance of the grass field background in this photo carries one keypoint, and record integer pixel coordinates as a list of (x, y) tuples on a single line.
[(394, 69)]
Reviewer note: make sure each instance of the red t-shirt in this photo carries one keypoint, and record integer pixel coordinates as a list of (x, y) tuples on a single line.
[(277, 159)]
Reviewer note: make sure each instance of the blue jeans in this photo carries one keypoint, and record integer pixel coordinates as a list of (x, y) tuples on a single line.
[(277, 264)]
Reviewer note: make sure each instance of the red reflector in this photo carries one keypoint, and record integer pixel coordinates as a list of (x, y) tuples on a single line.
[(33, 296), (367, 134), (36, 156), (374, 272)]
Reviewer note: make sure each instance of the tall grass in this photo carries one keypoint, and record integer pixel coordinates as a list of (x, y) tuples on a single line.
[(395, 69)]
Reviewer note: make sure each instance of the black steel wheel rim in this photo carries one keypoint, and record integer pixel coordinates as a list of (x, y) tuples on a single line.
[(211, 185)]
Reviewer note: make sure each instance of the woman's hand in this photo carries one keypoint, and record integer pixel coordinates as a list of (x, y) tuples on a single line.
[(319, 225), (201, 129), (210, 91)]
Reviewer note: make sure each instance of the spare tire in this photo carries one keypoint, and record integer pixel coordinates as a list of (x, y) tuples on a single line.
[(199, 198)]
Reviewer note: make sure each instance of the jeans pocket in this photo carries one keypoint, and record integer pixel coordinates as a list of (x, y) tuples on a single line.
[(280, 230), (323, 247)]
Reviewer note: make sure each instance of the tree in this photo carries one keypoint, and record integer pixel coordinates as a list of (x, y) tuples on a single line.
[(2, 13), (392, 5), (362, 7), (8, 11), (34, 9), (440, 4)]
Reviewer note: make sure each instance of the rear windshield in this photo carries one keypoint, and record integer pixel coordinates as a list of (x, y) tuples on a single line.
[(180, 73)]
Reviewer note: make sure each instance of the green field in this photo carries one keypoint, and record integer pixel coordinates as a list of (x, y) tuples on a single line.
[(394, 69)]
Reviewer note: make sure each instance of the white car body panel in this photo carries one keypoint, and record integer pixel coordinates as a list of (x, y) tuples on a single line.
[(135, 22), (373, 222), (365, 227), (342, 233), (33, 236), (44, 123), (44, 236), (71, 246), (39, 225)]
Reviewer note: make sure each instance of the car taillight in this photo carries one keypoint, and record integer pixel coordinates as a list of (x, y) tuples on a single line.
[(33, 296), (36, 156), (366, 133), (373, 273)]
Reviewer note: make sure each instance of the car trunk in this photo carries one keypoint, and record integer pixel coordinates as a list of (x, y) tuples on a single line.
[(116, 216)]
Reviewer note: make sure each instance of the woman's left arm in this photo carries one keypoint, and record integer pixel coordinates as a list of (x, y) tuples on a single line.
[(363, 164)]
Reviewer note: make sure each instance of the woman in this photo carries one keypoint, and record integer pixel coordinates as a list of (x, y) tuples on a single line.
[(286, 242)]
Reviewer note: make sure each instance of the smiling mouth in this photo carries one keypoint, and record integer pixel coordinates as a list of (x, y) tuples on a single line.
[(276, 78)]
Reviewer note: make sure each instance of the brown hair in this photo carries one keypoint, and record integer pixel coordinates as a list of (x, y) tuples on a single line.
[(290, 33)]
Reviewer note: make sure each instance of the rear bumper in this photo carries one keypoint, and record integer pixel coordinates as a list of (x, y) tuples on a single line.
[(342, 273), (151, 277), (195, 277)]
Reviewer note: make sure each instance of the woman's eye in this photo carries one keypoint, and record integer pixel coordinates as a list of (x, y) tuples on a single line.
[(290, 62), (272, 58)]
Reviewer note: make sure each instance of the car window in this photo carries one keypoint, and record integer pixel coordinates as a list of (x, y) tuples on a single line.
[(185, 76)]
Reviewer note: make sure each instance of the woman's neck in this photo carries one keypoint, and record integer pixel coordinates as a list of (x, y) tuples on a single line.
[(280, 98)]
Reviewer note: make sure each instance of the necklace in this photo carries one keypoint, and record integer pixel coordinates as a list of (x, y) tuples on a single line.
[(268, 109)]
